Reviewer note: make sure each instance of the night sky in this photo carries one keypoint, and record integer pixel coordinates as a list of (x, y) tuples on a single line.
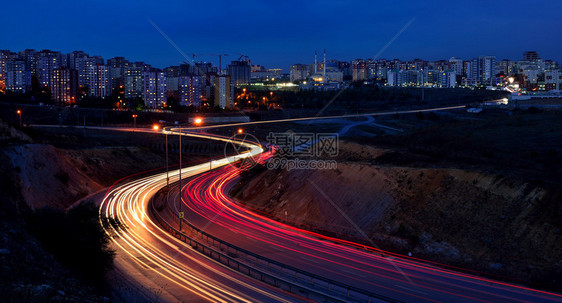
[(280, 33)]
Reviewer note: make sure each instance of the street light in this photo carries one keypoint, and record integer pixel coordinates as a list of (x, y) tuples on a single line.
[(155, 127), (240, 130), (179, 215), (19, 114), (134, 121), (167, 176), (198, 121)]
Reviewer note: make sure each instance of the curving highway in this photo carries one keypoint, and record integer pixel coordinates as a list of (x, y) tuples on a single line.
[(402, 278), (149, 255)]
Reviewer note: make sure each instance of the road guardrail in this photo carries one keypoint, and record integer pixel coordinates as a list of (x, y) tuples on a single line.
[(350, 293)]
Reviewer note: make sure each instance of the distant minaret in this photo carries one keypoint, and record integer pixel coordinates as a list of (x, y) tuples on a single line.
[(315, 62), (324, 73)]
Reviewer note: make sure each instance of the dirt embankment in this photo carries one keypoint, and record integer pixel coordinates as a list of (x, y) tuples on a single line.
[(30, 273), (46, 177), (55, 168), (479, 221)]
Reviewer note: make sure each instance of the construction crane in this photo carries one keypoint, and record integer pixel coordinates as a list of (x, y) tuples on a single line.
[(201, 55), (193, 56), (245, 57), (220, 61), (242, 56), (218, 55)]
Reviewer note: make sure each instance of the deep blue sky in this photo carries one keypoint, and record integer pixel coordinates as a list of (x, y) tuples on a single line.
[(280, 33)]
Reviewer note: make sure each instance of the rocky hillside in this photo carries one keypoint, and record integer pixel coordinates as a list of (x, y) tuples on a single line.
[(29, 272), (54, 169), (46, 177), (480, 221)]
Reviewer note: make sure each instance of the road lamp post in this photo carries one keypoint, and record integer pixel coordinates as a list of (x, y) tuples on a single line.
[(179, 215), (19, 114), (167, 176), (134, 121), (423, 86), (198, 122)]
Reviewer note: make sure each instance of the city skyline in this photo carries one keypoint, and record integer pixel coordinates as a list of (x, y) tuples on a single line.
[(310, 61), (439, 30)]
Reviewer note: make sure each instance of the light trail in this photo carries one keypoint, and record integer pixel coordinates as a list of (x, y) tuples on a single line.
[(328, 117), (206, 199), (148, 244)]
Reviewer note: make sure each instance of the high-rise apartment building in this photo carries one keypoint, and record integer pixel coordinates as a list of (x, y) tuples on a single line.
[(487, 69), (223, 91), (448, 78), (239, 72), (393, 78), (83, 65), (64, 85), (299, 72), (482, 70), (18, 78), (190, 90), (116, 67), (133, 79), (431, 78), (99, 60), (506, 67), (185, 69), (155, 92), (5, 55), (209, 87), (552, 79), (530, 56), (30, 57), (47, 62), (360, 70), (199, 69), (172, 78), (98, 80), (456, 64), (73, 56)]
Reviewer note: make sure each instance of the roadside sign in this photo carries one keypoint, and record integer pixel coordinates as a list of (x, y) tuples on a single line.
[(181, 214)]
